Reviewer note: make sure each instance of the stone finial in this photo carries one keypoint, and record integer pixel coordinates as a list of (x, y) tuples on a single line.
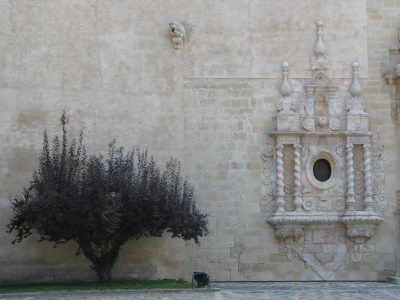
[(318, 62), (357, 103), (319, 48), (285, 105), (177, 33), (355, 88), (286, 90)]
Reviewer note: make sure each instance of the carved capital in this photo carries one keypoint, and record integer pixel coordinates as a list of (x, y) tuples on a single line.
[(360, 235), (289, 235)]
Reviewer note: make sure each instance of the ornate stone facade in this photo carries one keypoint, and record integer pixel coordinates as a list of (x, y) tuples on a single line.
[(113, 66), (329, 176)]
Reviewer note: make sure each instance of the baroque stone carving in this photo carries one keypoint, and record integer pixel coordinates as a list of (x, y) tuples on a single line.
[(297, 179), (357, 119), (329, 171), (308, 203), (334, 124), (377, 174), (289, 235), (287, 117), (177, 33), (358, 160), (368, 202), (318, 62), (280, 201), (291, 140), (288, 166), (267, 203), (308, 124), (310, 250), (339, 204), (360, 235), (350, 201), (393, 79), (286, 105), (335, 169)]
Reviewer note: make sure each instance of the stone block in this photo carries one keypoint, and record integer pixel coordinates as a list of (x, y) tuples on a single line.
[(257, 267), (220, 275), (236, 276), (222, 253), (231, 264), (213, 264), (245, 267), (221, 242), (205, 253), (194, 264), (252, 276), (277, 257), (309, 276), (353, 266), (270, 267)]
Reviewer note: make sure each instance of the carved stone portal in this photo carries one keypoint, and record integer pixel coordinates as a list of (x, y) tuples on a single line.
[(323, 172)]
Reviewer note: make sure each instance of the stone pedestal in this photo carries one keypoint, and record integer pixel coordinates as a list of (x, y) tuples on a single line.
[(287, 122), (357, 122)]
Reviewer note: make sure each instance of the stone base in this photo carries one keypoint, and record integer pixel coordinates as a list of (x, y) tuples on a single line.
[(287, 123), (357, 121), (395, 280)]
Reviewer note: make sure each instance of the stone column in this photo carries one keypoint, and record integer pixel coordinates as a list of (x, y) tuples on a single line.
[(298, 203), (368, 202), (280, 200), (350, 201)]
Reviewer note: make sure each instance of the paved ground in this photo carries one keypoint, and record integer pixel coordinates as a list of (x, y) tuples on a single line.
[(243, 290)]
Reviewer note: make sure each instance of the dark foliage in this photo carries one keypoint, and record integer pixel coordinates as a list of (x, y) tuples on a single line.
[(102, 203)]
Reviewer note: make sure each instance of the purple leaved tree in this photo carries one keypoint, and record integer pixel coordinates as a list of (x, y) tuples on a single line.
[(101, 203)]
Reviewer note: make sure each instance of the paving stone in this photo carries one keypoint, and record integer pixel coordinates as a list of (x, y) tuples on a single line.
[(240, 290)]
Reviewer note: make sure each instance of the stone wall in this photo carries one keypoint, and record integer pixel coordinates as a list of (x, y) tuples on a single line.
[(113, 67)]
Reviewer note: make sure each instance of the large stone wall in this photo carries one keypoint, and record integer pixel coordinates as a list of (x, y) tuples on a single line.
[(113, 67)]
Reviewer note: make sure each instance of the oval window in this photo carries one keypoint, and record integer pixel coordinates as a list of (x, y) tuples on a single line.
[(322, 170)]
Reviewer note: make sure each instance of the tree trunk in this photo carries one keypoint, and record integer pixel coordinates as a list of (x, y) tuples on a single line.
[(103, 263), (104, 272)]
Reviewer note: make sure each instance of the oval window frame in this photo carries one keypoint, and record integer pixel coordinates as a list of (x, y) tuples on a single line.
[(335, 170)]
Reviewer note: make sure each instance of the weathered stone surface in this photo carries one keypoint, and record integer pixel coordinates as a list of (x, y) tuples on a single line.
[(114, 68)]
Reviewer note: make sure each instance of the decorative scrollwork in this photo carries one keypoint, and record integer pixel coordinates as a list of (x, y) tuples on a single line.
[(356, 253), (291, 255), (267, 204), (268, 179)]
